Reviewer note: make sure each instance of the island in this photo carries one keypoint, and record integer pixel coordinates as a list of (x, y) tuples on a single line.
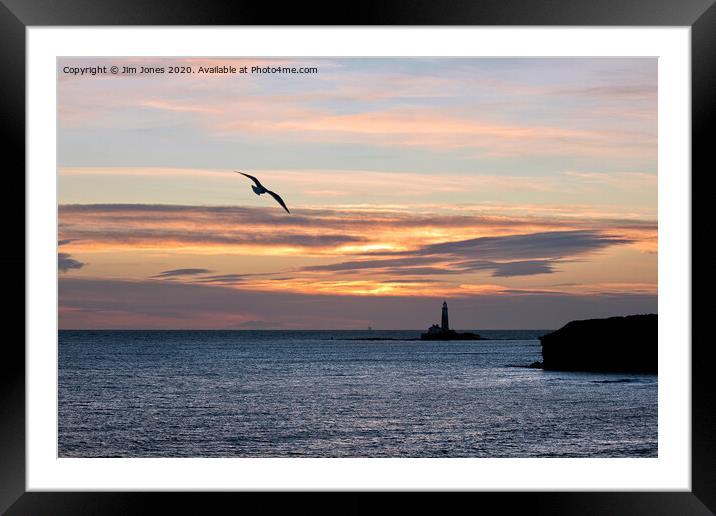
[(443, 332), (616, 344)]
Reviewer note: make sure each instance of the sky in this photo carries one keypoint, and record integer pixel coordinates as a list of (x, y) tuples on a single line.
[(522, 191)]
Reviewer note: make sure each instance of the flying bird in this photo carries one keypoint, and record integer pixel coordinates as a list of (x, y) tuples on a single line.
[(261, 189)]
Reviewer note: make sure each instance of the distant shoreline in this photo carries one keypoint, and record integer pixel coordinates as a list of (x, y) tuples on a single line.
[(418, 330)]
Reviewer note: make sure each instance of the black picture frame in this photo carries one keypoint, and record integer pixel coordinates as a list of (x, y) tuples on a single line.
[(17, 15)]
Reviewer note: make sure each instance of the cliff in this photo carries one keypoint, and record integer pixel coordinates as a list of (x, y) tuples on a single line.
[(616, 344)]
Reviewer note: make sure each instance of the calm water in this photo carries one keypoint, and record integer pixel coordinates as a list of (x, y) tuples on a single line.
[(321, 394)]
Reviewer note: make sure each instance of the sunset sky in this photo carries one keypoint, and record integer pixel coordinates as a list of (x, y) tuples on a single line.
[(523, 191)]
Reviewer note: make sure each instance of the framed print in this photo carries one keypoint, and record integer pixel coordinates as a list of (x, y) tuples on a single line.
[(421, 253)]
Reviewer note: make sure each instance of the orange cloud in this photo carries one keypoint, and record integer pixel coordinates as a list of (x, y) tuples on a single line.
[(361, 252), (310, 231)]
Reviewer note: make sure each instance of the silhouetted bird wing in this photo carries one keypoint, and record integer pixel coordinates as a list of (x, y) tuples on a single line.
[(278, 200), (252, 178)]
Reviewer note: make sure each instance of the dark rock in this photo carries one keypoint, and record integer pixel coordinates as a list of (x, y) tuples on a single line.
[(616, 344), (450, 335), (536, 365)]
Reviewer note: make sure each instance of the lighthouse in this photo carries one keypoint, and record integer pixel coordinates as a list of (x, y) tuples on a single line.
[(445, 326), (443, 332)]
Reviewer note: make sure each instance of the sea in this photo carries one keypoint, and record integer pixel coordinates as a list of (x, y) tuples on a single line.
[(372, 393)]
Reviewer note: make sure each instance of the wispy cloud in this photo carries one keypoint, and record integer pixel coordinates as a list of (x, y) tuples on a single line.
[(65, 262), (612, 91), (369, 251), (358, 232), (176, 226), (429, 270), (512, 255), (439, 129), (226, 279), (536, 245), (459, 105), (181, 272)]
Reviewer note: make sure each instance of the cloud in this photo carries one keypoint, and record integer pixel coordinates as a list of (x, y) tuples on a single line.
[(524, 268), (439, 128), (512, 255), (369, 264), (528, 246), (226, 279), (354, 250), (65, 262), (149, 237), (348, 230), (614, 91), (472, 116), (505, 269), (169, 225), (630, 181), (181, 272), (458, 106)]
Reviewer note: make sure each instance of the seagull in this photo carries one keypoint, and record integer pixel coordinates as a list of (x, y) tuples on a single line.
[(261, 189)]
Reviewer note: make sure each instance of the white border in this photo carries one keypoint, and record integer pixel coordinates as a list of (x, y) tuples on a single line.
[(670, 471)]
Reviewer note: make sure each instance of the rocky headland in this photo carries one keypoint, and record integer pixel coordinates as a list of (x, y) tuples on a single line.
[(616, 344)]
